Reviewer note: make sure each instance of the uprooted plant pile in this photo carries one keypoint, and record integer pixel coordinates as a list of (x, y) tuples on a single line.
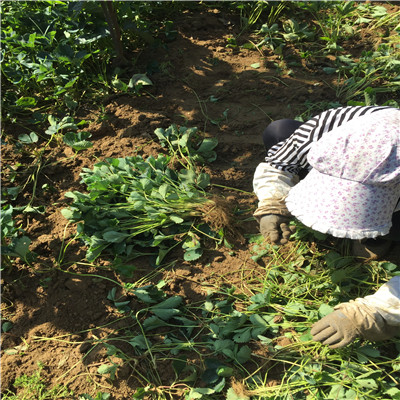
[(136, 206)]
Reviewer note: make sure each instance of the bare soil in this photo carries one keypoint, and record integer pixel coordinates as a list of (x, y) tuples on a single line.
[(55, 311)]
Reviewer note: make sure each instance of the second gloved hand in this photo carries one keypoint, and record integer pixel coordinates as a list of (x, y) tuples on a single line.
[(349, 321), (335, 330), (276, 228)]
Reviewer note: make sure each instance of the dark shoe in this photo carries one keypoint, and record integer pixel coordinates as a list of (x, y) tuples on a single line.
[(371, 249)]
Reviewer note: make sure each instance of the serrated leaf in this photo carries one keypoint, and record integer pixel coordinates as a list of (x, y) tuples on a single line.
[(115, 237), (367, 383), (223, 344), (203, 180), (70, 214), (258, 321), (366, 353), (149, 294), (165, 314), (107, 369), (140, 342), (153, 323), (229, 353), (244, 354), (171, 302), (243, 336), (77, 140), (192, 254), (335, 260)]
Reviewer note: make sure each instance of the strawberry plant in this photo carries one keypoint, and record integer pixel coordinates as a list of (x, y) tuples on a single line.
[(139, 206), (135, 207), (13, 241), (184, 143)]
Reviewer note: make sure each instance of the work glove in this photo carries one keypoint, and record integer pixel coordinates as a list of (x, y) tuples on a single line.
[(349, 321), (276, 228)]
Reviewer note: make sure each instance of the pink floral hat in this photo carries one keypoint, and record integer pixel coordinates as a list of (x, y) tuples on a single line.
[(354, 185)]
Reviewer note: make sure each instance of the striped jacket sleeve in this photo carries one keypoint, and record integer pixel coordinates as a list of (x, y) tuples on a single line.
[(279, 172)]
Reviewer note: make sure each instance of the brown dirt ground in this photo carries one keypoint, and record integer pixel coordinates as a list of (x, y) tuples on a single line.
[(55, 312)]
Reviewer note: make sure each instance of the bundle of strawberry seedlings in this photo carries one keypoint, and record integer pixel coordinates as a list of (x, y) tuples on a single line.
[(135, 206)]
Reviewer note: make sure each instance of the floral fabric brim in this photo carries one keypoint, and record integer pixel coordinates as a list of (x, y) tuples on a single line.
[(343, 208)]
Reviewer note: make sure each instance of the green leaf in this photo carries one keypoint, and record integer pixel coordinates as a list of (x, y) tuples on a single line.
[(28, 139), (108, 369), (192, 254), (167, 308), (207, 145), (388, 266), (335, 260), (225, 371), (197, 393), (176, 219), (222, 344), (13, 192), (153, 323), (232, 395), (174, 301), (394, 393), (149, 294), (18, 248), (243, 335), (260, 300), (329, 70), (140, 79), (164, 189), (140, 342), (6, 326), (71, 214), (219, 385), (70, 102), (258, 321), (243, 355), (203, 180), (27, 102), (324, 309), (166, 314), (119, 85), (366, 353), (367, 383), (77, 140), (39, 209), (115, 237)]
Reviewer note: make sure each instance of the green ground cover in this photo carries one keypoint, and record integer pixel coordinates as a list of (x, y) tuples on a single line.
[(53, 49)]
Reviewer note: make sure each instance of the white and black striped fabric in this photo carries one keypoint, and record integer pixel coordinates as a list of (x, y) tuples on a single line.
[(291, 154)]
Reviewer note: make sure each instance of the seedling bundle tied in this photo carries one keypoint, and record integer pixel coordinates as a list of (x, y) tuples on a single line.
[(136, 206)]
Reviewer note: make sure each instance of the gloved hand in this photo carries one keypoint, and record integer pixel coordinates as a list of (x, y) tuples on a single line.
[(335, 330), (276, 227), (349, 321)]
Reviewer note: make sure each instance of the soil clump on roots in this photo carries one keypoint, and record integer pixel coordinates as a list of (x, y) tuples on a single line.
[(218, 213)]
